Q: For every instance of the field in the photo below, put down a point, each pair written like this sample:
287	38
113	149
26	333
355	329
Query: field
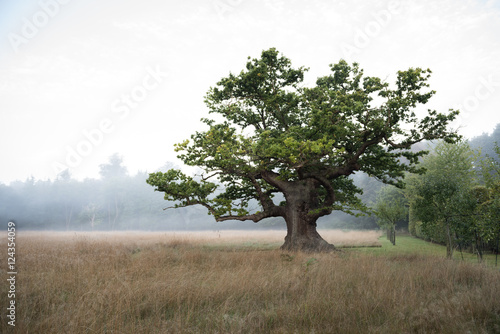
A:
239	282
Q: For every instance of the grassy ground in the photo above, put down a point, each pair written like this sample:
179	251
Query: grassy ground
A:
406	244
143	283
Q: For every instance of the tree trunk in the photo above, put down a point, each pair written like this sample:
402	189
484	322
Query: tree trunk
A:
449	242
393	234
496	254
301	223
479	248
115	216
68	216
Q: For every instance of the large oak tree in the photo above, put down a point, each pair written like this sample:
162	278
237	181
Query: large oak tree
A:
276	136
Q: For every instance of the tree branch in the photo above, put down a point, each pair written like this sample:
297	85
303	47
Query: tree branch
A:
276	211
264	198
273	179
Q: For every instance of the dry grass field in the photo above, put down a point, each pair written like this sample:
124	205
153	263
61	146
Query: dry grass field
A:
239	282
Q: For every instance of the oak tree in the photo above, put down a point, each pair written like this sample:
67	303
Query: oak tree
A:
275	136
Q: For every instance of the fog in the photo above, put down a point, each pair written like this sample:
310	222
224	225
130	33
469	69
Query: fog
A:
246	238
118	201
122	201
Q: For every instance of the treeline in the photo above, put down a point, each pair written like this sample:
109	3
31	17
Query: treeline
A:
456	202
115	201
119	201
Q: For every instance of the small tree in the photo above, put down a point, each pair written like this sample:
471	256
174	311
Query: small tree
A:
442	198
90	214
113	175
277	136
490	207
390	208
64	188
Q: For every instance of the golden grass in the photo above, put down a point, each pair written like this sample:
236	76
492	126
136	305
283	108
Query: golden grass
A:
238	238
159	283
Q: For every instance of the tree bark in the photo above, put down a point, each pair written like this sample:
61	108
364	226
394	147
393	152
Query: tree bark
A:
393	234
449	242
479	248
301	222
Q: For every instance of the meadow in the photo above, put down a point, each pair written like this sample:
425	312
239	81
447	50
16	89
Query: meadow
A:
240	282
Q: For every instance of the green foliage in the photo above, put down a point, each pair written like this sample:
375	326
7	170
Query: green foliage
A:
443	191
489	197
391	206
278	137
443	198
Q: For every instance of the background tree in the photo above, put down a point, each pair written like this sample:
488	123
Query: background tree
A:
487	144
89	214
476	225
278	137
442	198
490	206
114	175
390	208
63	188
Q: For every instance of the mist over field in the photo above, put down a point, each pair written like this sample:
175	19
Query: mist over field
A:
119	201
272	238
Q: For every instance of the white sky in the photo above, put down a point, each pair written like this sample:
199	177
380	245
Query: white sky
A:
67	67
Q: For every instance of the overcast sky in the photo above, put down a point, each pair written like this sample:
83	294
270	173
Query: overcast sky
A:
81	80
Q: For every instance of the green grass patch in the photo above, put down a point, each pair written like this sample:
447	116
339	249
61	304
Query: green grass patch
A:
406	245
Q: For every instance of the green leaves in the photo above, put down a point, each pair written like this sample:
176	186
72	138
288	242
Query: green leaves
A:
187	191
292	149
444	192
266	95
390	206
179	187
277	135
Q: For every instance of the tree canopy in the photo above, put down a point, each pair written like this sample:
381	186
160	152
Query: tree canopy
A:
390	207
277	136
443	196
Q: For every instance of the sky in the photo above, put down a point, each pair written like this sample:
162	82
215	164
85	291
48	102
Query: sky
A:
82	80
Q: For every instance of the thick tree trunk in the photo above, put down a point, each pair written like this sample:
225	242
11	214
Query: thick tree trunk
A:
301	224
304	237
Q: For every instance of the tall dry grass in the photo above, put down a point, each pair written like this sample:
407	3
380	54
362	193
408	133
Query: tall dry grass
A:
209	238
152	284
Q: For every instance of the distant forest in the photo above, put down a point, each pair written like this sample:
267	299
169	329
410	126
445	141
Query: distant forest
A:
119	201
